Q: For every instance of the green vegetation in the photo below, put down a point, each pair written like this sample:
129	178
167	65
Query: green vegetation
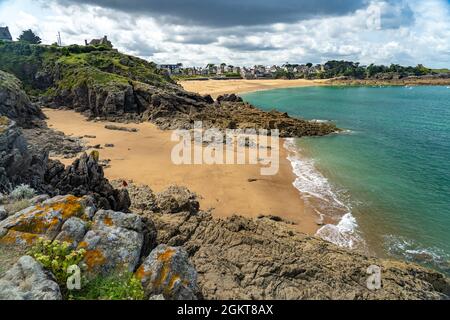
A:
119	287
335	69
22	191
45	70
30	37
56	257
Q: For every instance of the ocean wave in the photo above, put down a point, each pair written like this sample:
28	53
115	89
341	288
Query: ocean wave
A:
326	202
410	250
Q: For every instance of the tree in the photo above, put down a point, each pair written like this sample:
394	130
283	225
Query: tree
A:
30	37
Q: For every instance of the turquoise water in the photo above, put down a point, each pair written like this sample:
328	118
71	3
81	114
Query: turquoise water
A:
392	169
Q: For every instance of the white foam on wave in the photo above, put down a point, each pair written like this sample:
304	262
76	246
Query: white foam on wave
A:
311	183
411	250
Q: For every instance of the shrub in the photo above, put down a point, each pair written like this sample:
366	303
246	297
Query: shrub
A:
117	287
56	257
22	192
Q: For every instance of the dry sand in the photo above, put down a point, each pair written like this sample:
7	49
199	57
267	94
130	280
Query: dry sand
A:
145	158
218	87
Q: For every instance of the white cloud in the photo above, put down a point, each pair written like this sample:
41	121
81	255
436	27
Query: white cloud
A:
411	32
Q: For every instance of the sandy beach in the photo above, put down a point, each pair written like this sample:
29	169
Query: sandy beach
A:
219	87
144	157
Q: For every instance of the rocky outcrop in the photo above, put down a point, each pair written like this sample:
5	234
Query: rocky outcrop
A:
168	272
17	164
85	176
265	258
239	258
15	104
47	219
177	199
27	280
114	243
202	257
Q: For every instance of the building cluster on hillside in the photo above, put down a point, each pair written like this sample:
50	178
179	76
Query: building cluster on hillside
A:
253	72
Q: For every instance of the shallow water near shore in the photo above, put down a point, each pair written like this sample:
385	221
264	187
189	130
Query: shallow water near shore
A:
385	181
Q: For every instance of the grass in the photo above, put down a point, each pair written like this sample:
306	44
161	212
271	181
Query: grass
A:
117	287
17	206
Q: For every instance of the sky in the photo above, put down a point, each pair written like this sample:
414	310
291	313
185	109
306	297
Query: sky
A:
247	32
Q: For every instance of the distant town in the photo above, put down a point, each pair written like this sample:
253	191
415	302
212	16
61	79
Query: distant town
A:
330	69
223	71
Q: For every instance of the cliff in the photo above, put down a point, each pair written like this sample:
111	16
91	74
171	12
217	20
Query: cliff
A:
105	84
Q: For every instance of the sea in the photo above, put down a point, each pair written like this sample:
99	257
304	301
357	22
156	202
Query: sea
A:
383	183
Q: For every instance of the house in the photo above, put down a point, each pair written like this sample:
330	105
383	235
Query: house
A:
172	68
5	35
100	42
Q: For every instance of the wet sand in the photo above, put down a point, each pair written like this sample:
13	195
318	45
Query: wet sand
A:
145	158
218	87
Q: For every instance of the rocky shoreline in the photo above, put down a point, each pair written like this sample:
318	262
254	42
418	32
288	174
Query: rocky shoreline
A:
168	245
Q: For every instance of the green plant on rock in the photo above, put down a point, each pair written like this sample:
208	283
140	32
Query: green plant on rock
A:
56	257
22	192
115	287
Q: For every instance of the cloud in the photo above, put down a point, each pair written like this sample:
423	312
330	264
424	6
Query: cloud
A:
225	13
409	31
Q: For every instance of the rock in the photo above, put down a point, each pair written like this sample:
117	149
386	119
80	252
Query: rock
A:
157	297
177	199
3	213
143	197
43	220
114	127
86	177
114	243
72	231
109	145
167	271
229	98
39	199
27	280
17	164
15	104
239	258
43	139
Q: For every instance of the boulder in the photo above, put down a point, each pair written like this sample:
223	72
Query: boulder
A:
114	243
85	176
27	280
3	213
168	272
43	220
14	102
17	164
177	199
72	231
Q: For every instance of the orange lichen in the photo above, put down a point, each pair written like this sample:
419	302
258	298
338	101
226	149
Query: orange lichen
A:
166	255
82	245
108	221
172	282
94	258
70	207
142	274
16	237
